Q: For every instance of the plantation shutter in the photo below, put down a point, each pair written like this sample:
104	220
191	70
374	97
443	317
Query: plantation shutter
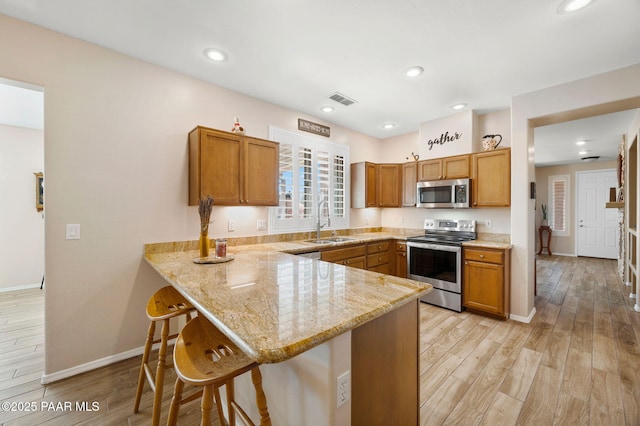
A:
559	204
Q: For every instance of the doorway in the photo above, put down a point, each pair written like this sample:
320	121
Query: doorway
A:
597	227
22	224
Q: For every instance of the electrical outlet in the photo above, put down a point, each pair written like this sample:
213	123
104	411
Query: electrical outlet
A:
231	225
261	224
487	223
73	231
343	388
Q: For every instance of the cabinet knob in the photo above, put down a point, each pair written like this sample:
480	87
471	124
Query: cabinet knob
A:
482	256
466	263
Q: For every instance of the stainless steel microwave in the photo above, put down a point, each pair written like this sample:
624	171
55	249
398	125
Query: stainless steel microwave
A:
441	194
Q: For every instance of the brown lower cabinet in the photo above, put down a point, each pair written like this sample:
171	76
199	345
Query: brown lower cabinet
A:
486	280
401	259
375	256
353	256
378	257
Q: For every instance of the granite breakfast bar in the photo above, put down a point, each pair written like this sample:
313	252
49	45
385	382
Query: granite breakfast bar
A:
309	322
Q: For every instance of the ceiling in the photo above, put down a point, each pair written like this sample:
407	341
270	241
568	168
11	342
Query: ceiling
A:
296	53
556	144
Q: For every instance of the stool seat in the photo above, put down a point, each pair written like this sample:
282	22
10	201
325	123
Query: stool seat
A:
204	356
163	305
167	303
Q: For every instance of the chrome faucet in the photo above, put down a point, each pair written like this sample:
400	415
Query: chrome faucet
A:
320	226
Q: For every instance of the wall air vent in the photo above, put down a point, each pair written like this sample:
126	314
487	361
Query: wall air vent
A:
342	99
592	158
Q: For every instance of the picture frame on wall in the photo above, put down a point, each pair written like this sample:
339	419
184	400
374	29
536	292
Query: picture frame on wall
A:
39	191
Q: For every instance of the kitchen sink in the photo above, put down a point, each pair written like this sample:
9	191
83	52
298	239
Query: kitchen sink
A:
330	240
338	239
319	241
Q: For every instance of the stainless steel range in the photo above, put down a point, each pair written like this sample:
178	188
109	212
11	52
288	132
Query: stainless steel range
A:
436	258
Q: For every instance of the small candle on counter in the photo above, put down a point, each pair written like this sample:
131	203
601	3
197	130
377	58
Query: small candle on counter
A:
221	247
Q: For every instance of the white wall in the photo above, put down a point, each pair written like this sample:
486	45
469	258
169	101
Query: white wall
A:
116	160
21	225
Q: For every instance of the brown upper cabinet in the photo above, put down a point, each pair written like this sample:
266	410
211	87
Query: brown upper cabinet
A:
389	185
409	180
364	185
236	170
456	167
376	185
491	174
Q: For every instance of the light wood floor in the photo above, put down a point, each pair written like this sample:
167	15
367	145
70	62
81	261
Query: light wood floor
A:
578	362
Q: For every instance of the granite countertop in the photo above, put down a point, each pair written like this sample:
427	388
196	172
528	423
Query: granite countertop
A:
274	305
304	246
488	244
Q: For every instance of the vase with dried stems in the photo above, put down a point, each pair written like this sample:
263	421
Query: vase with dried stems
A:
204	209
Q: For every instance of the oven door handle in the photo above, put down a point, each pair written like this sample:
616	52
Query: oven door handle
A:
439	247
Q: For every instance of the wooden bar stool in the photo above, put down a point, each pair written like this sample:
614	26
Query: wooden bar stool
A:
205	357
165	304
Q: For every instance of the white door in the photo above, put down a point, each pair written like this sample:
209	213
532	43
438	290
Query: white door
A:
597	225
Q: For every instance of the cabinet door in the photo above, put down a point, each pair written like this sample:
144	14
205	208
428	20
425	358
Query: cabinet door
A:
455	167
483	287
338	255
430	170
260	177
492	178
401	259
371	185
355	262
214	166
409	179
389	185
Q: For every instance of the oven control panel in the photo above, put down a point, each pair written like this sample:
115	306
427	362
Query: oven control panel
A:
450	225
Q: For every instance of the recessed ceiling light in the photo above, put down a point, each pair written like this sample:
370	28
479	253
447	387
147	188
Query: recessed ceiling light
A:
215	55
458	106
327	109
388	126
580	143
414	71
583	152
568	6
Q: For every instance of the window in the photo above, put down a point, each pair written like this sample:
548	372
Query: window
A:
559	204
313	181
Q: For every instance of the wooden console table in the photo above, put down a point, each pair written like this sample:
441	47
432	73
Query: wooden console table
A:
549	232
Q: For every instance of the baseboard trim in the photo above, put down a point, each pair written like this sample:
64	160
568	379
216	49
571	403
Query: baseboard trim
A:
20	287
99	363
83	368
525	320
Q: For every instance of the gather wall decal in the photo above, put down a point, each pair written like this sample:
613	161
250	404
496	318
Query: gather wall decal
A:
444	138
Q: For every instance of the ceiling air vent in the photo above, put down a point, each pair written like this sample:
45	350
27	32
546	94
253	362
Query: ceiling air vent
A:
342	99
592	158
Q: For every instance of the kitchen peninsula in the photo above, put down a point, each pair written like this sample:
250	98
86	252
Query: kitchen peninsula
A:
309	323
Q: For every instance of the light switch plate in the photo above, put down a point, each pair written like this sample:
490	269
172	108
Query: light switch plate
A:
261	224
231	225
73	231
